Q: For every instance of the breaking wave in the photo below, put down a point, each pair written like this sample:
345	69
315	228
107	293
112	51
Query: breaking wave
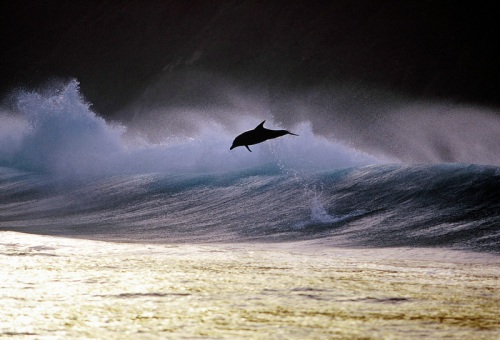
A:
66	171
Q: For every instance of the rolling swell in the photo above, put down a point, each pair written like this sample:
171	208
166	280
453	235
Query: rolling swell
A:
448	205
66	171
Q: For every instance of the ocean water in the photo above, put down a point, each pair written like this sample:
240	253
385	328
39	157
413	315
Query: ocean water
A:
66	171
59	288
302	238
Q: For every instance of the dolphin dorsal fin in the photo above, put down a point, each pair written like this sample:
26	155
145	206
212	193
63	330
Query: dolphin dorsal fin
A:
260	126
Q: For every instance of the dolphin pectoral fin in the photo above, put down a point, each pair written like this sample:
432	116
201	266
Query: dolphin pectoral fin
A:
248	148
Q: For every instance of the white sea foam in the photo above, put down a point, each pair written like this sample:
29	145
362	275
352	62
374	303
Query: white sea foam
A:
57	132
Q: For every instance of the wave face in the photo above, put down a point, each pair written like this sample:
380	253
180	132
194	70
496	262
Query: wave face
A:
383	205
66	171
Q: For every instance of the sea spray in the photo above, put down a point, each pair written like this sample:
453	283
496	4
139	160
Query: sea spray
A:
195	189
319	213
55	131
63	136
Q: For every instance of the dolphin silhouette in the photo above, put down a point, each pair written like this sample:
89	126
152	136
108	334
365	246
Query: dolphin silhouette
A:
257	135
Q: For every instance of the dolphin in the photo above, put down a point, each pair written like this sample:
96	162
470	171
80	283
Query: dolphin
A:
258	135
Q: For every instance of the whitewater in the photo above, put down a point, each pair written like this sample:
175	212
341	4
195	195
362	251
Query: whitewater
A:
108	235
68	171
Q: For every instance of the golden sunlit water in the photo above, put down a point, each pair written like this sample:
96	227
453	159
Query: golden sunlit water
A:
59	288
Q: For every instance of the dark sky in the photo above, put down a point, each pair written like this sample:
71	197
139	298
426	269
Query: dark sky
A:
426	49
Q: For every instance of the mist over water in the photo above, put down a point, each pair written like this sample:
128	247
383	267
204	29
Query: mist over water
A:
132	145
171	129
377	121
402	81
65	170
55	131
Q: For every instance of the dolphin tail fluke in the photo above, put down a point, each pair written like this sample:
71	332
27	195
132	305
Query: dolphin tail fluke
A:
293	134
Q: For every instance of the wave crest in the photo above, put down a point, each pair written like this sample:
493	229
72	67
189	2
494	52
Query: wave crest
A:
58	133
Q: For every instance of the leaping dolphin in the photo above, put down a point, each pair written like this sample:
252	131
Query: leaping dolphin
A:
258	135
